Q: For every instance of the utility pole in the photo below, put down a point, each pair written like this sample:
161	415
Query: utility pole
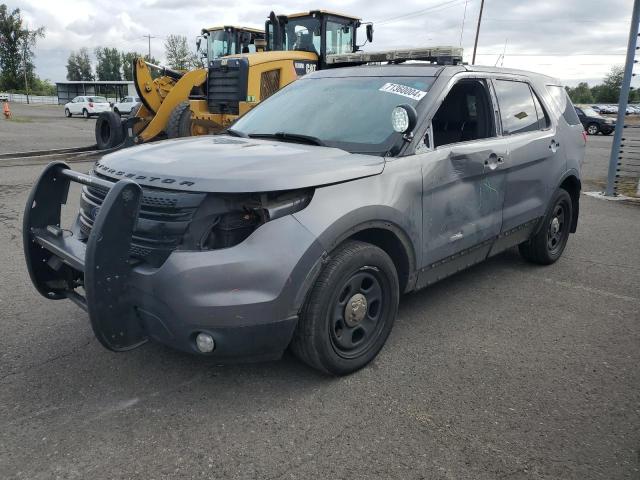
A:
149	37
25	44
475	45
616	152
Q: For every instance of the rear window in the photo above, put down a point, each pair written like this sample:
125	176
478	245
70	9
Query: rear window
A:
517	108
559	95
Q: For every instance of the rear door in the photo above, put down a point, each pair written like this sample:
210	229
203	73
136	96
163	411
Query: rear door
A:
535	154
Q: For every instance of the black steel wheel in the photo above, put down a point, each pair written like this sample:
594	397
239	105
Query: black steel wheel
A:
350	311
357	309
548	243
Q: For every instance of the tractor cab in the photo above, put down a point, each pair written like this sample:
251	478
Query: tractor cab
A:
230	40
319	32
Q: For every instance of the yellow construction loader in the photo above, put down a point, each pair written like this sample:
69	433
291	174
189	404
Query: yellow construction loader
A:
161	92
208	100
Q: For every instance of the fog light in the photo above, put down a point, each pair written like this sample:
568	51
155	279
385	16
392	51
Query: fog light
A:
205	343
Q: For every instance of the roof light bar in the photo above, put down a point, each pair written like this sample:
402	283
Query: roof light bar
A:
440	55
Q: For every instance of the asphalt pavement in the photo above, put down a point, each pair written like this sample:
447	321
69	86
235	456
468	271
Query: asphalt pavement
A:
506	370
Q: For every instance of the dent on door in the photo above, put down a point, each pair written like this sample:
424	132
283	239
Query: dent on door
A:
463	197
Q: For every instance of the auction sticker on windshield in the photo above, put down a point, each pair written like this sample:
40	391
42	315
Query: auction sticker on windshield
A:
403	90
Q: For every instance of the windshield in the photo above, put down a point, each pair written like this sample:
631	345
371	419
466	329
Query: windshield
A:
302	33
98	99
220	44
351	113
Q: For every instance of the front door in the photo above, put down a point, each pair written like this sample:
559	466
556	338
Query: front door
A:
463	182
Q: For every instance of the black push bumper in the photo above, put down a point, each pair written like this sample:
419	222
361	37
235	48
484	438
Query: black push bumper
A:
60	264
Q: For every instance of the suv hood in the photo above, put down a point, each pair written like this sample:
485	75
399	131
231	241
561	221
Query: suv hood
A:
226	164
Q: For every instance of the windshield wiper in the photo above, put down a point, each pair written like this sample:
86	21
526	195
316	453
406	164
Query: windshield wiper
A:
235	133
290	137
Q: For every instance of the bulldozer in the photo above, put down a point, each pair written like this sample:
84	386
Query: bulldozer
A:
161	88
208	100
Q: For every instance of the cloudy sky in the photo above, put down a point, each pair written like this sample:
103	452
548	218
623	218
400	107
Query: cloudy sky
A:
574	40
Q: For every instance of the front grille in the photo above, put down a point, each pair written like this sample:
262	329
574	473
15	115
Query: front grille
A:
162	222
269	83
227	86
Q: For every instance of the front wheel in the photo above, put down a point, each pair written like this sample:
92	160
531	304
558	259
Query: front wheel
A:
593	129
179	123
351	309
546	246
67	113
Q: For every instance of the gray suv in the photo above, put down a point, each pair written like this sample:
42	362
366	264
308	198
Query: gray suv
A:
303	224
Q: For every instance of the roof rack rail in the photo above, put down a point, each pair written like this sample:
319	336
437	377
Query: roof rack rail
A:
439	55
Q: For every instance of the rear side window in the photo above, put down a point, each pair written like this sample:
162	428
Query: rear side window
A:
517	108
559	95
543	118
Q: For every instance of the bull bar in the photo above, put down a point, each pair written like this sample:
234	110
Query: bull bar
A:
59	263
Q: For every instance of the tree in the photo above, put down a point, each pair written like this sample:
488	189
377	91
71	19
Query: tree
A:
16	50
128	61
178	54
79	65
581	93
609	91
108	64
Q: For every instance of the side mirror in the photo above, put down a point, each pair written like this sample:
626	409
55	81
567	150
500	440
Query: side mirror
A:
404	119
370	32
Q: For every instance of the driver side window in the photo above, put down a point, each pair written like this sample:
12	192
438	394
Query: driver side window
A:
465	114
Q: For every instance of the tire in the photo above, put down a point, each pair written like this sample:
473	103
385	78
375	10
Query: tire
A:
179	123
85	113
548	243
593	129
109	131
608	132
67	113
333	338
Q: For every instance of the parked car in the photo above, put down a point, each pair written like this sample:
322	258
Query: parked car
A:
87	106
593	122
597	108
303	225
4	97
126	104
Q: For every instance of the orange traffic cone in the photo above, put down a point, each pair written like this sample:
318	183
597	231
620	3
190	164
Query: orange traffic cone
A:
6	110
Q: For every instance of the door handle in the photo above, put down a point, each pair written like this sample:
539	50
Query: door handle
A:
493	161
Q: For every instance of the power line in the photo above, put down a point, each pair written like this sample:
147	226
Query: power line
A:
602	54
442	6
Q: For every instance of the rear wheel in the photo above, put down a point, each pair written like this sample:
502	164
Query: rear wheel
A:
547	245
109	131
85	113
593	129
350	311
180	124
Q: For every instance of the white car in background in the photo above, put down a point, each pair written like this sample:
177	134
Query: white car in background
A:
87	105
126	104
4	96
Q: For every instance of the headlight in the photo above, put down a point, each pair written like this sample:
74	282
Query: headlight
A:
225	220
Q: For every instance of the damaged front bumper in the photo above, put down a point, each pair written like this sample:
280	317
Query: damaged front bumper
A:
246	297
